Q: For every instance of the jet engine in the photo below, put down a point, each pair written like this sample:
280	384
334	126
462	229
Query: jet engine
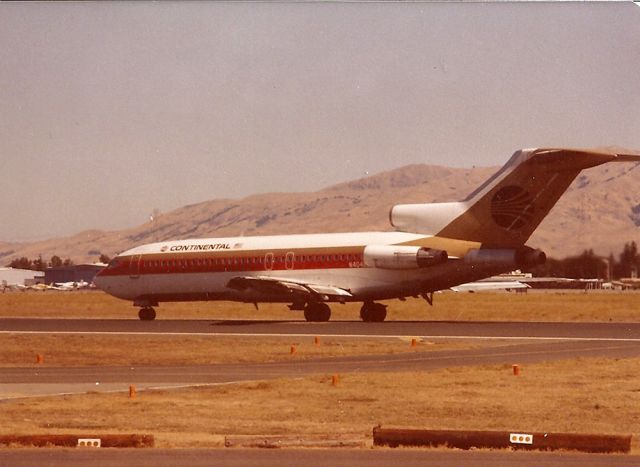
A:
402	257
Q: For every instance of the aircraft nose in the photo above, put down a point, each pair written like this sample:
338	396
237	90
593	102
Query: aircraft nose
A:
98	280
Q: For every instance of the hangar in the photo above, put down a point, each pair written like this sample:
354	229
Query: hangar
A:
12	276
73	273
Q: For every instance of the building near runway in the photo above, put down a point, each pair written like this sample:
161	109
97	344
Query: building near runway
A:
73	273
12	276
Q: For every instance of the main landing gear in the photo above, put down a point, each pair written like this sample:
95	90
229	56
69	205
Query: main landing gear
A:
373	312
317	312
147	313
370	312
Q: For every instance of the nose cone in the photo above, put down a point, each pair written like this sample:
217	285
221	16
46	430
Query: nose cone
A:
99	279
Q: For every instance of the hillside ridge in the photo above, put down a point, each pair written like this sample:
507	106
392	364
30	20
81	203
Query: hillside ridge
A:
600	210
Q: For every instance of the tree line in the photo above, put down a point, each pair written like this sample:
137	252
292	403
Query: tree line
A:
588	265
40	264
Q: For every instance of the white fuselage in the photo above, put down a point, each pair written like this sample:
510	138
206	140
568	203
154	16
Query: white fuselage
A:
200	269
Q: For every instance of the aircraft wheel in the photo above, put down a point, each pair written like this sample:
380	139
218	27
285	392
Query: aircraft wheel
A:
147	314
324	312
317	312
373	312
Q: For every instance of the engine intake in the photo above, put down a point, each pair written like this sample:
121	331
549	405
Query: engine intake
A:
402	257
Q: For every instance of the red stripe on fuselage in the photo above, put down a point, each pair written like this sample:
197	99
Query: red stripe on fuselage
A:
242	261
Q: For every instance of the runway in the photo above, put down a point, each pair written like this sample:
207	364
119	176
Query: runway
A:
232	372
427	329
528	343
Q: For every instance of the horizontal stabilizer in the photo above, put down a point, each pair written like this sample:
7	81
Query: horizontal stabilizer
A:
627	158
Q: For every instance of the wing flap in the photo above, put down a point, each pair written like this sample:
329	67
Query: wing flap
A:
286	287
329	290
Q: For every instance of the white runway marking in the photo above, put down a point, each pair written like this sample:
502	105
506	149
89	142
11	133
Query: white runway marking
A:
334	336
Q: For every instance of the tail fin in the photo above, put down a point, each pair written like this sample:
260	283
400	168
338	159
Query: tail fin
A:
509	206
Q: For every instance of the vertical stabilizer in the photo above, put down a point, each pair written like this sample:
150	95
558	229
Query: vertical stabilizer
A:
509	206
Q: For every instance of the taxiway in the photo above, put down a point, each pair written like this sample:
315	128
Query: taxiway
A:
296	457
526	343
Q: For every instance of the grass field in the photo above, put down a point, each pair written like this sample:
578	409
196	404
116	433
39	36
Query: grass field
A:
20	350
583	395
448	306
586	396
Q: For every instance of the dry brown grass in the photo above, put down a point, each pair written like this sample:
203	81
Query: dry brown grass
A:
533	306
584	395
576	396
19	350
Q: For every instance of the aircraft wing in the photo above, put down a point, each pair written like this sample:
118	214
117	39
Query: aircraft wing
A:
481	286
277	286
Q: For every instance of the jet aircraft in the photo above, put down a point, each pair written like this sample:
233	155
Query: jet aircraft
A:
435	246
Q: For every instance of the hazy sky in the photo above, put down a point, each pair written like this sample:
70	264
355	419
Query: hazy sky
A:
109	110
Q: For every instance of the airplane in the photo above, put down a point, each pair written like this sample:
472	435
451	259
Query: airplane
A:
68	286
483	286
13	287
435	246
24	288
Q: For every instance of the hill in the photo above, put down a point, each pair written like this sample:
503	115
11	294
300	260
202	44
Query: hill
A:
601	210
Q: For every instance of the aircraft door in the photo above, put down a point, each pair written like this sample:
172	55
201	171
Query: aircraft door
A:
268	261
134	266
288	260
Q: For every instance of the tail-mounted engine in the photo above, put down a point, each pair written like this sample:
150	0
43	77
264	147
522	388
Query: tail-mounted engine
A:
402	257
